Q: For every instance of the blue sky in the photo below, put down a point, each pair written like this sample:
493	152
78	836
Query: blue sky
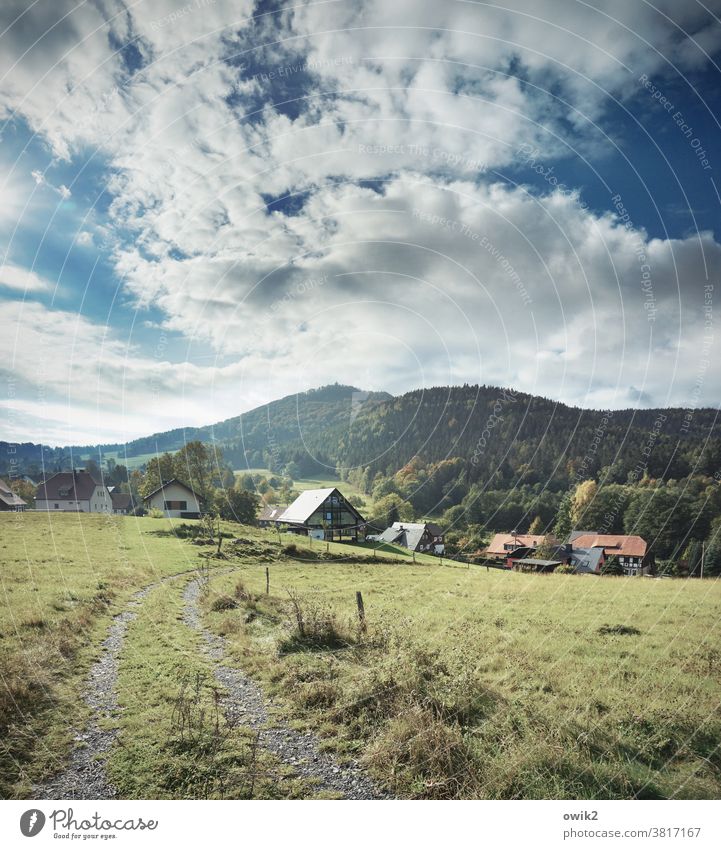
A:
210	205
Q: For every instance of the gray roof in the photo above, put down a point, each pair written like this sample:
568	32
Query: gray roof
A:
533	561
270	512
409	534
586	559
9	497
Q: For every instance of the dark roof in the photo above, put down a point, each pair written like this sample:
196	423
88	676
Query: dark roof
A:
586	559
410	534
74	486
121	500
532	561
8	497
270	512
179	483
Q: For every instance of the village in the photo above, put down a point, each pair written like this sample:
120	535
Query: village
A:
325	514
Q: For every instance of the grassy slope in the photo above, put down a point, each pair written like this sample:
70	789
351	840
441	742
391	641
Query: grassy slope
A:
493	684
469	683
62	579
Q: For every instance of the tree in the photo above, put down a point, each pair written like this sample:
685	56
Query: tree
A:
564	523
712	553
24	490
612	566
536	526
195	465
391	508
583	496
292	470
245	481
663	516
237	505
159	469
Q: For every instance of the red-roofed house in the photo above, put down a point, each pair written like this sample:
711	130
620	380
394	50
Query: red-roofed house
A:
512	547
631	551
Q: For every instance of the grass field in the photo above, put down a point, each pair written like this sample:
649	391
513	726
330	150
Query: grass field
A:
496	685
63	577
464	684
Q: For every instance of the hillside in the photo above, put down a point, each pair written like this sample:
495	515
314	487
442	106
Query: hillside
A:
511	436
295	426
499	435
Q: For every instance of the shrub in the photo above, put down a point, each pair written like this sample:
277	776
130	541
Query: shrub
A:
223	602
619	629
241	593
156	513
314	626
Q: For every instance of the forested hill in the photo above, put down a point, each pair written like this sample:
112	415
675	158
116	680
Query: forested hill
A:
507	438
499	436
264	436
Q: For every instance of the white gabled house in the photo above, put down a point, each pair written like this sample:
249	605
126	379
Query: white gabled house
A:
176	499
74	492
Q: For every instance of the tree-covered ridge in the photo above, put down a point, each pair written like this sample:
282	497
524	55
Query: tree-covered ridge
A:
507	438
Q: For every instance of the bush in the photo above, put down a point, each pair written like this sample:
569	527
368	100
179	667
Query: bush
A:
156	513
223	602
314	626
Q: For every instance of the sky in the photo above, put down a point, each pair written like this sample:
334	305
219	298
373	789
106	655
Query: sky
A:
209	205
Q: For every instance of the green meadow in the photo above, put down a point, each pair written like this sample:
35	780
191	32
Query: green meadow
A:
459	682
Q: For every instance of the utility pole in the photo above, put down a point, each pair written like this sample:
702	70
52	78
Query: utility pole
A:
703	552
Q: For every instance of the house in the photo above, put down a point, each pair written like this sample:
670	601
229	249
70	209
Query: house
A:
122	502
176	499
269	515
322	514
417	536
512	547
9	501
631	550
75	492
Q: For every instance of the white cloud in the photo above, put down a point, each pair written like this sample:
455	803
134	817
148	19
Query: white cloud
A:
23	280
533	292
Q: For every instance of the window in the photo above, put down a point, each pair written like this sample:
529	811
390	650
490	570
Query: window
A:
175	505
57	506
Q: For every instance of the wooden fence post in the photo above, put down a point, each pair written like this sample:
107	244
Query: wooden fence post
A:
267	580
361	611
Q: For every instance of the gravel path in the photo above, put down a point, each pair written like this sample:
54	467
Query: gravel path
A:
246	703
85	777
